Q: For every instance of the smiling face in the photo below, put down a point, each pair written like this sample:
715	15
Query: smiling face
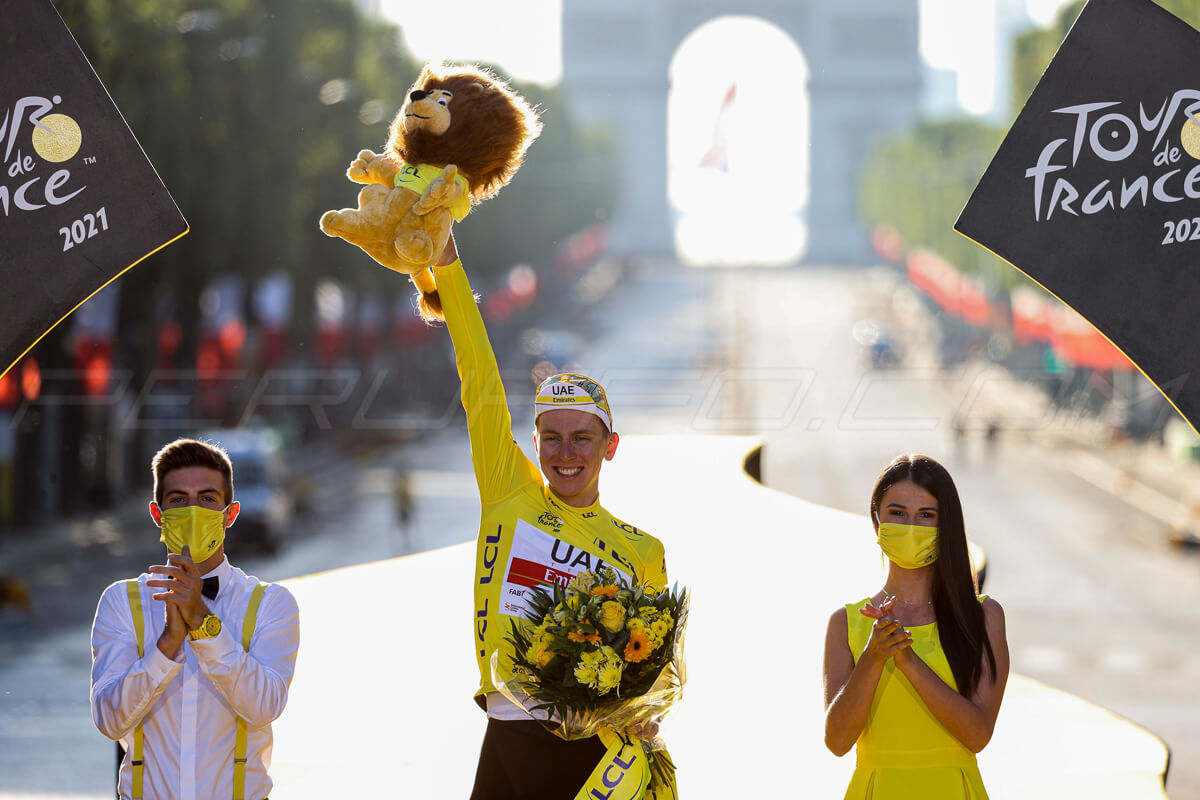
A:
428	111
572	445
906	503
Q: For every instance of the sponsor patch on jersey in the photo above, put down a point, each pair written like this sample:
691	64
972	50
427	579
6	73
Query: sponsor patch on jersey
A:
631	533
538	559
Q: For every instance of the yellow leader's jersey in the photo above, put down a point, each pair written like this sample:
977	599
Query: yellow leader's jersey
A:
527	537
418	177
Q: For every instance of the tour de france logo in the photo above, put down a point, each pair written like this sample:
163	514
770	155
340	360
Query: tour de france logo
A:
39	145
1108	156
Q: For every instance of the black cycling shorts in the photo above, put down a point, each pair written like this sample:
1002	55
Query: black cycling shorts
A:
521	760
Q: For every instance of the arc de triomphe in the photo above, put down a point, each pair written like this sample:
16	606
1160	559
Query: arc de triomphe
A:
864	82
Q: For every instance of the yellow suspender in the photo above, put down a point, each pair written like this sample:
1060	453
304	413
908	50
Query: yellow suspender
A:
135	609
239	755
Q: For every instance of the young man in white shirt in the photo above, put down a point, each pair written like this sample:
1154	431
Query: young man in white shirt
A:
192	662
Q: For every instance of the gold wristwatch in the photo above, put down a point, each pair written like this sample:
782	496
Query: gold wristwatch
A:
209	628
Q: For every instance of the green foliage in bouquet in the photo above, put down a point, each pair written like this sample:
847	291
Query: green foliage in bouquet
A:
596	640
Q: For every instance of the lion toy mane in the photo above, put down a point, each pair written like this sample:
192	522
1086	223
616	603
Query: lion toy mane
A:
459	139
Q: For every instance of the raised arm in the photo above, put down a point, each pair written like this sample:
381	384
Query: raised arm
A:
500	466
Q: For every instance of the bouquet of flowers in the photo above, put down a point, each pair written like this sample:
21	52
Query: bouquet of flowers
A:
601	658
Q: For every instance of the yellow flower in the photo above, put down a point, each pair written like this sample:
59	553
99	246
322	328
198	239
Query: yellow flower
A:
593	658
539	655
660	627
612	616
583	582
636	624
573	602
639	647
609	678
586	675
608	592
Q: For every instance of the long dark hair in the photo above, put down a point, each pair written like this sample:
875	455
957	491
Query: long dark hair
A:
961	626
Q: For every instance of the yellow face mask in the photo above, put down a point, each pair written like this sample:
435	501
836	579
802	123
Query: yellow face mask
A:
908	546
201	529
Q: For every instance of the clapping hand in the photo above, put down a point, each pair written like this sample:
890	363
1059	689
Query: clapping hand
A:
888	636
185	606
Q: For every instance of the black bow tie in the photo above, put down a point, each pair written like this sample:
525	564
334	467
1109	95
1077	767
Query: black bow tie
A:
210	588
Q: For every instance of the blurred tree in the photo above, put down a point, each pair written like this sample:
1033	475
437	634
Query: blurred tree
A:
565	185
1032	51
1186	10
918	181
251	112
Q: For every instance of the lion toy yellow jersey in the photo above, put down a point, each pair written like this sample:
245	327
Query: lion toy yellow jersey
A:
459	138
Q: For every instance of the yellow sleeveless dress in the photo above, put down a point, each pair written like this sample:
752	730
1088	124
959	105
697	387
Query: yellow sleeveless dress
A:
904	753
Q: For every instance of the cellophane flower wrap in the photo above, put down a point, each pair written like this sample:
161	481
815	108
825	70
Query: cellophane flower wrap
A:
599	657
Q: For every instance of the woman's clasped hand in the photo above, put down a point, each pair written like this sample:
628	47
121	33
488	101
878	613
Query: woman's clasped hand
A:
888	635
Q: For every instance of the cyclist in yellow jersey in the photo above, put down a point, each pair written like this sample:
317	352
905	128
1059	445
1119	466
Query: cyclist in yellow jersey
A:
540	523
915	674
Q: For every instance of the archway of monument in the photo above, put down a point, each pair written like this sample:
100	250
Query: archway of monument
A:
738	144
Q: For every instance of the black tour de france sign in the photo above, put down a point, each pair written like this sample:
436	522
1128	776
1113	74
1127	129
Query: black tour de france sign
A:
1095	191
79	201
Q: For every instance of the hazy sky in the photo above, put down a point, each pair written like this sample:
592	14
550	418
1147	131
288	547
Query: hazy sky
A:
527	44
959	35
955	35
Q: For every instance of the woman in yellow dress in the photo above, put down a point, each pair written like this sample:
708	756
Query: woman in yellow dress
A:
915	674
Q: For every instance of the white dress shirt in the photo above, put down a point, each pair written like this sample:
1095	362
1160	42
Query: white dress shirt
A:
189	705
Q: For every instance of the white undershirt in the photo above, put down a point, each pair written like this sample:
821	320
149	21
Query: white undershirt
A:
501	708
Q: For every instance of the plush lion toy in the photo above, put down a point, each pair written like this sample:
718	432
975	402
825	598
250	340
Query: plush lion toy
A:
459	139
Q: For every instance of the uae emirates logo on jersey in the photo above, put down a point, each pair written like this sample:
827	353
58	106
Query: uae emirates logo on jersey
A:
540	560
